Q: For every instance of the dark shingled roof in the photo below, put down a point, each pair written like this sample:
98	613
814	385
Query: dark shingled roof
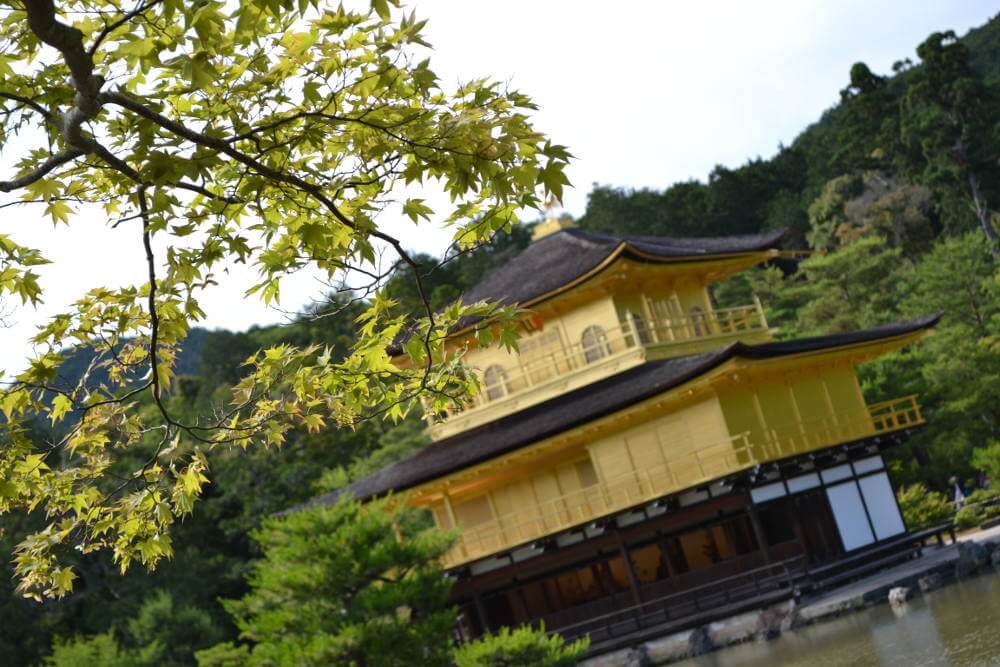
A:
587	404
560	258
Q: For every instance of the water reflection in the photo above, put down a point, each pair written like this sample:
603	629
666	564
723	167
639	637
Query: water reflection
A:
956	626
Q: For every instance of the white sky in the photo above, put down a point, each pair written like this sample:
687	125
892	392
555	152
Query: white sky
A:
644	93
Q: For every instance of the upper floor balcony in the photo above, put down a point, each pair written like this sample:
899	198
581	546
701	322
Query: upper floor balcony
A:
548	363
493	530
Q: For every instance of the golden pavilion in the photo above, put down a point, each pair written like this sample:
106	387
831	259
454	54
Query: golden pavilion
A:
646	459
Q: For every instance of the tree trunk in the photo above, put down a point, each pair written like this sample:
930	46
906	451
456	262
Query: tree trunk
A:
983	214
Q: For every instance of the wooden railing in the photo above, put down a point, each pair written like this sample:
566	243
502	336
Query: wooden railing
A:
896	414
599	499
526	372
681	472
808	435
762	585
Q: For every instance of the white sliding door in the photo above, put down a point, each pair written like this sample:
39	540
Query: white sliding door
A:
849	514
882	507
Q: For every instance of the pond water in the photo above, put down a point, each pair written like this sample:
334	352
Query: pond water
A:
957	625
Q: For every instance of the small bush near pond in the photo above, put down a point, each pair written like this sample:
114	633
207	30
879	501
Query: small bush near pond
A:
980	505
922	508
523	646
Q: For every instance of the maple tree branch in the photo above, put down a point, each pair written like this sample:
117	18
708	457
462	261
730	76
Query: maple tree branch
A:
28	102
116	163
201	139
154	317
88	101
41	170
69	42
312	189
111	27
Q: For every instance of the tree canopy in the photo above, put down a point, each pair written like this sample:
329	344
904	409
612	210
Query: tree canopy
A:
269	132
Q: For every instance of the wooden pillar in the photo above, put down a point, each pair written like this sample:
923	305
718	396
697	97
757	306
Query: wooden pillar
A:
800	533
760	311
484	620
665	556
524	604
653	324
460	542
758	531
633	581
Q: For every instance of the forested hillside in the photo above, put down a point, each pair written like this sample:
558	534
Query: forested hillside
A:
777	192
896	190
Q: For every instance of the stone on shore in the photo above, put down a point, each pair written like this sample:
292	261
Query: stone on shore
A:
929	582
995	558
979	553
899	595
700	642
971	556
768	624
793	620
771	622
638	657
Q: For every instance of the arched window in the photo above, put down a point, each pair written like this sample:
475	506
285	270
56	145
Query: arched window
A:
698	321
595	343
495	379
638	326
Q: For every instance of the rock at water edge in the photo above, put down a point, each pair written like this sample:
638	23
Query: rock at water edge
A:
638	657
964	567
793	620
970	557
769	623
700	642
973	551
899	595
929	582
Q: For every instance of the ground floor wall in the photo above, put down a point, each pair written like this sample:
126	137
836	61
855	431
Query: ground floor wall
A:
807	513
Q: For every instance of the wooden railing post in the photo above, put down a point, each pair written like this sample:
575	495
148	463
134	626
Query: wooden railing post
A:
654	322
450	511
633	581
758	530
760	311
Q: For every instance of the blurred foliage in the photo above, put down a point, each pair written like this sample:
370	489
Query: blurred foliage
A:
163	634
979	506
520	646
278	134
922	508
346	584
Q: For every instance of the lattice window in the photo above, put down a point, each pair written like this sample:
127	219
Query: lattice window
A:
496	382
595	343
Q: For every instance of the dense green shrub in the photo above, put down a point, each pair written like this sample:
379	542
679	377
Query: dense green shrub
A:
162	634
100	650
226	654
345	584
922	508
987	459
980	505
523	646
